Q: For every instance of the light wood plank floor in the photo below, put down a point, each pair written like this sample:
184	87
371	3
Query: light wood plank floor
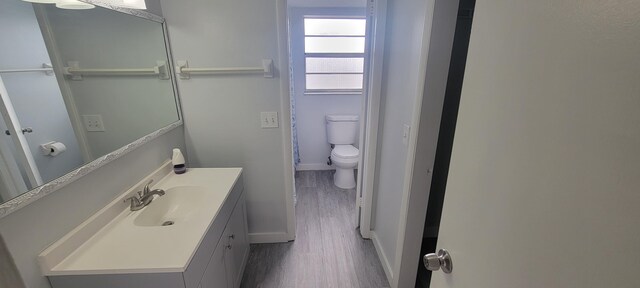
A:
328	250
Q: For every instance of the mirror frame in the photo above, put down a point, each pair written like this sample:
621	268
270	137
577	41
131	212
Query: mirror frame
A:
31	196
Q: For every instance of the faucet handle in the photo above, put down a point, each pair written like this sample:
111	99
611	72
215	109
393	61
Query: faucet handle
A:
133	199
146	188
136	204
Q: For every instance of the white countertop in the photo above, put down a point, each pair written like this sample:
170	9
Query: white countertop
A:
122	247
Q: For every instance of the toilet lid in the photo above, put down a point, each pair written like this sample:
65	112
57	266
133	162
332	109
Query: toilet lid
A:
345	151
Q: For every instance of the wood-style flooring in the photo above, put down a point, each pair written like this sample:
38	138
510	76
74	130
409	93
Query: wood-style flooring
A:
328	250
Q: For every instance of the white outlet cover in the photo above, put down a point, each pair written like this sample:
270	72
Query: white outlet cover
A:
93	123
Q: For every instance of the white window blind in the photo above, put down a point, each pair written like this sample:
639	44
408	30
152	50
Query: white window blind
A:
334	54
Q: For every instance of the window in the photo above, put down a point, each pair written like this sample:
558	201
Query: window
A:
334	55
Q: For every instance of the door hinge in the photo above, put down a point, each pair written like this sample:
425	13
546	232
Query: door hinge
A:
371	7
359	202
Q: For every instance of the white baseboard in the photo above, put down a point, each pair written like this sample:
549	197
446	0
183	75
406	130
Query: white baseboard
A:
279	237
386	266
313	166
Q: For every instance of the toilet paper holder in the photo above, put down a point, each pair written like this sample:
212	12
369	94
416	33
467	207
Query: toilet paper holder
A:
52	148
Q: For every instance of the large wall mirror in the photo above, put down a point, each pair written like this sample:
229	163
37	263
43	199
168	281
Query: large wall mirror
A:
76	85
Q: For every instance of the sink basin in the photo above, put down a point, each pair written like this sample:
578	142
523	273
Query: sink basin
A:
117	240
177	206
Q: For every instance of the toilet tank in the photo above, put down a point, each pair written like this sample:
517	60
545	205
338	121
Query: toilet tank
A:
342	129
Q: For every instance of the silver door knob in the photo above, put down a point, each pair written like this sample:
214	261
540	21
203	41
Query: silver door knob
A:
433	261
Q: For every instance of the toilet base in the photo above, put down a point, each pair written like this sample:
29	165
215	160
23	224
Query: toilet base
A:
344	178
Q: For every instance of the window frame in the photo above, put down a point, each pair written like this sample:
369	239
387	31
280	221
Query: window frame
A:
306	55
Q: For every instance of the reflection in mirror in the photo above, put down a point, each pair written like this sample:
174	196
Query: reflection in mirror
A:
75	85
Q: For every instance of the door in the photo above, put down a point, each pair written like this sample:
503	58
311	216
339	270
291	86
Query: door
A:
215	276
16	132
545	169
237	236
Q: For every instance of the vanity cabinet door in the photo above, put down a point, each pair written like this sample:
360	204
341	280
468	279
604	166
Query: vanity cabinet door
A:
215	276
236	233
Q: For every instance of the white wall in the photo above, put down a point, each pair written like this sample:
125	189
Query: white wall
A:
36	97
31	229
131	107
222	113
314	147
400	91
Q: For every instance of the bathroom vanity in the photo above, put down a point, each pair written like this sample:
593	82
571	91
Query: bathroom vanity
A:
195	236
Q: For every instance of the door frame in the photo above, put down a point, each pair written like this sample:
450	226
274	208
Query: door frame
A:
376	11
285	120
10	173
439	31
22	146
377	14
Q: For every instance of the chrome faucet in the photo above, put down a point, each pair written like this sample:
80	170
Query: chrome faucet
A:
144	197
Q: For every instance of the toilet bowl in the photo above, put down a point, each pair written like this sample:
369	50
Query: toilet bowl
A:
345	157
342	131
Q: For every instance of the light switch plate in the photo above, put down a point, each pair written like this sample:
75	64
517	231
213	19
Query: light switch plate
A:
406	133
269	119
93	123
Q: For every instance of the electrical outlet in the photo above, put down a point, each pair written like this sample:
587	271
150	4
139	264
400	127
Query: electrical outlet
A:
269	119
93	123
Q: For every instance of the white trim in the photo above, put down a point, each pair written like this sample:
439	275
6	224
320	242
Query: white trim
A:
285	106
276	237
314	166
364	116
370	128
388	271
135	12
411	150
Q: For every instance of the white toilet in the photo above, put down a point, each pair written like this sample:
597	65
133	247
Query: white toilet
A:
342	132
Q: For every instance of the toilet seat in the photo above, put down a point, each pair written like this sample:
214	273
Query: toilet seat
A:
345	152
